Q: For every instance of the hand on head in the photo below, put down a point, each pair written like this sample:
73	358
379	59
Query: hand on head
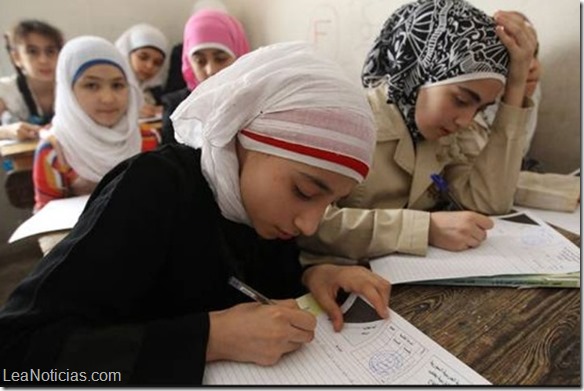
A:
324	282
457	231
520	39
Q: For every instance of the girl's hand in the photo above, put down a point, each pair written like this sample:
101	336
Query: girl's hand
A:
22	131
258	333
533	77
520	39
457	231
324	282
148	111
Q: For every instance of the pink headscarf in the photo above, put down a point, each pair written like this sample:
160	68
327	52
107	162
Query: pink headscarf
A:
211	29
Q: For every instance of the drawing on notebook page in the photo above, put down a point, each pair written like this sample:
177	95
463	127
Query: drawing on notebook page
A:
366	351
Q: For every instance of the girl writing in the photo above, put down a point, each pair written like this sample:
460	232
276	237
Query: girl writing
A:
268	143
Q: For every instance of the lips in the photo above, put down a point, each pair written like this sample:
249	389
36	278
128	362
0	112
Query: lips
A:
285	235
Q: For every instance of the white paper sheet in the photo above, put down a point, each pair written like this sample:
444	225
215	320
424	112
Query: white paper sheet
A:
382	352
57	215
510	248
568	221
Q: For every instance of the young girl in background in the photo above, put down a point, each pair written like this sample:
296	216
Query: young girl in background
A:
96	121
212	41
434	66
27	98
147	49
269	143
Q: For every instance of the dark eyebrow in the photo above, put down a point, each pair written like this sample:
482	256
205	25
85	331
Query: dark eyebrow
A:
318	182
91	77
474	96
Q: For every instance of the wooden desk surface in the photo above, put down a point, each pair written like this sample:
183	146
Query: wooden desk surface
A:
23	147
21	154
510	336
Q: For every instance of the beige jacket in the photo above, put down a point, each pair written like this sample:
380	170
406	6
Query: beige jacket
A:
386	213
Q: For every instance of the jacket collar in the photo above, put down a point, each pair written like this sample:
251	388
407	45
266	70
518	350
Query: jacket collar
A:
391	127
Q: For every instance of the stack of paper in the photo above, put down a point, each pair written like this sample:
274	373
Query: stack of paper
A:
57	215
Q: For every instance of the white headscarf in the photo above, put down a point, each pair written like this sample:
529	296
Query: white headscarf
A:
145	35
91	149
285	100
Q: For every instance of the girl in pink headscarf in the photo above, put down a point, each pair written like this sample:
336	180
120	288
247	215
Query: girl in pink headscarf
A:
212	41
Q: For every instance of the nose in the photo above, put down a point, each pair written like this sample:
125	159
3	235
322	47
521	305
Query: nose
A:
107	95
212	68
464	118
307	222
43	57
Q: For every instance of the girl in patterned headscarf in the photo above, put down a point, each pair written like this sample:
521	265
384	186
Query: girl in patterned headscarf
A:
433	67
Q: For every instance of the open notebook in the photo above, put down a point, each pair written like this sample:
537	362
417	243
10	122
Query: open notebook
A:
368	351
521	248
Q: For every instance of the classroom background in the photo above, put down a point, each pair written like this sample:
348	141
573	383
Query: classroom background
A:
342	29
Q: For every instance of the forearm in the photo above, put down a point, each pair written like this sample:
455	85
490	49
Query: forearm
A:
7	133
486	182
365	233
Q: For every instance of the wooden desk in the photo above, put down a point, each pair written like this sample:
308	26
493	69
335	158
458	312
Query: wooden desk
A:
18	159
510	336
21	154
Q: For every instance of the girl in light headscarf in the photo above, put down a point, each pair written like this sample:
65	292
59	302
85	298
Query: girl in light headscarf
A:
96	121
147	51
213	40
268	143
433	67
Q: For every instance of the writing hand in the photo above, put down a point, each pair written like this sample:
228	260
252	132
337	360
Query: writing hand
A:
23	131
148	111
457	231
324	282
258	333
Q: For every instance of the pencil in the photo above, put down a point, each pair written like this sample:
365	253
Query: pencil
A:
249	291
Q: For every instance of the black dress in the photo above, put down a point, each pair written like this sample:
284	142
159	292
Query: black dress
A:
130	288
170	102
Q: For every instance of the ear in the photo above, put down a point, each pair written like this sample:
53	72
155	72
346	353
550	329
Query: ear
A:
16	58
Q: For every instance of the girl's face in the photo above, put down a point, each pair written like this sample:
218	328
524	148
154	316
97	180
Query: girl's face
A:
146	62
103	93
444	109
284	198
37	56
207	62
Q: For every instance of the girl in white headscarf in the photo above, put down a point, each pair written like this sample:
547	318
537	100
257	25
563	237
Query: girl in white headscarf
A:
96	121
270	142
147	51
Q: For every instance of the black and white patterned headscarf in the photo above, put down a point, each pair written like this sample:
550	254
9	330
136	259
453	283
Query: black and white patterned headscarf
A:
431	42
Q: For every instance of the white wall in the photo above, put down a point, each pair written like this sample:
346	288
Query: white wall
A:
344	29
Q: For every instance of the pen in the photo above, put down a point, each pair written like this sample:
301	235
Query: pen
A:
442	187
249	291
